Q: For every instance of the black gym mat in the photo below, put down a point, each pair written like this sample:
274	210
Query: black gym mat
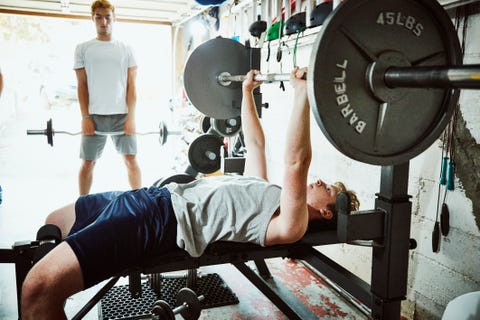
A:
118	304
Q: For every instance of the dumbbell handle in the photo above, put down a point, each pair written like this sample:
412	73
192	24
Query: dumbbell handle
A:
185	305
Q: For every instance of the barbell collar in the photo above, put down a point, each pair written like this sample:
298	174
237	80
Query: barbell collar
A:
462	77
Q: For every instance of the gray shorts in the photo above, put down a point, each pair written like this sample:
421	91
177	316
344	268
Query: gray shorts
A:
91	147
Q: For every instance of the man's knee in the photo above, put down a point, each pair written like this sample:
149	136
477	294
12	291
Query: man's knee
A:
131	161
88	165
36	285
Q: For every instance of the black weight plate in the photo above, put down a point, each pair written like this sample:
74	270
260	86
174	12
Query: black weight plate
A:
162	133
188	296
227	127
396	126
205	124
203	66
163	310
198	149
50	132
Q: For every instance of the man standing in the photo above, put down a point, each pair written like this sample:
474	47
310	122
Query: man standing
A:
106	71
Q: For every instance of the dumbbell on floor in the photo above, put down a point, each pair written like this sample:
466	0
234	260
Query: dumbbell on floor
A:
187	305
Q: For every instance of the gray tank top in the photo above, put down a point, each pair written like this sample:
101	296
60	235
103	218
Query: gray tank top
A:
223	208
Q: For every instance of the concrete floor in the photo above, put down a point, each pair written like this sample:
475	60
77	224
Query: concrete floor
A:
37	179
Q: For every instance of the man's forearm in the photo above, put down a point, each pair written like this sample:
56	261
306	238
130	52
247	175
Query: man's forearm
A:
298	148
82	92
251	126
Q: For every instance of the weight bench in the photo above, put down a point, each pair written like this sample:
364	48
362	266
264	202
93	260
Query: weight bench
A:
386	229
238	254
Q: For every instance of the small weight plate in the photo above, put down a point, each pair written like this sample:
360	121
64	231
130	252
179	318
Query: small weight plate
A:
381	126
155	280
50	132
163	310
202	68
227	127
200	148
162	133
205	124
188	296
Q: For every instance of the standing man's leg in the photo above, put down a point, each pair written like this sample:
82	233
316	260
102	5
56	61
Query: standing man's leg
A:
85	176
91	149
133	170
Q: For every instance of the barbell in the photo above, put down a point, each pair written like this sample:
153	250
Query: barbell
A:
382	80
187	305
162	132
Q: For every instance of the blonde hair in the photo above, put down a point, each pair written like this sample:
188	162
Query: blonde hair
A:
103	4
354	202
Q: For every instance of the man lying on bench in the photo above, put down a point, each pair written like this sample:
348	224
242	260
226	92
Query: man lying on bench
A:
109	232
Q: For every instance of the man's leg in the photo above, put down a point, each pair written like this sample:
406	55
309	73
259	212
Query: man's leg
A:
49	283
85	176
63	218
134	173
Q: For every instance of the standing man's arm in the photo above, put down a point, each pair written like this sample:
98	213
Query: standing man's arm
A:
131	100
255	162
88	128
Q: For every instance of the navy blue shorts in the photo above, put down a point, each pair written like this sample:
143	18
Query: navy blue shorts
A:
114	231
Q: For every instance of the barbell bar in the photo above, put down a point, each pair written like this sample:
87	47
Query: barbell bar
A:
162	132
383	78
225	78
463	77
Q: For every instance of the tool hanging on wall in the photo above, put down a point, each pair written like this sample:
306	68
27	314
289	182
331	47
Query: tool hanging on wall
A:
447	173
447	179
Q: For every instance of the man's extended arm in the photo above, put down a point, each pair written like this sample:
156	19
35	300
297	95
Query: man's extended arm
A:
255	162
291	224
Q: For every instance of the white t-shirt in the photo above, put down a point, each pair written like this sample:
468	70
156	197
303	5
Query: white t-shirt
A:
223	208
106	64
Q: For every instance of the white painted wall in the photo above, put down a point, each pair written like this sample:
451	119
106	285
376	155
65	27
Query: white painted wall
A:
434	278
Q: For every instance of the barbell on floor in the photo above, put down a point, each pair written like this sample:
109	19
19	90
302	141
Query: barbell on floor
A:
187	305
382	80
162	132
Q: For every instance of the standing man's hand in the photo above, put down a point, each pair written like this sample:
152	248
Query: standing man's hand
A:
129	128
88	127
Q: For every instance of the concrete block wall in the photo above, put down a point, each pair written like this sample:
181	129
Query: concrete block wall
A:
434	278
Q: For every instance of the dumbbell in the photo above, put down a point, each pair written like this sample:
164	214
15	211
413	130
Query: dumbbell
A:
187	305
